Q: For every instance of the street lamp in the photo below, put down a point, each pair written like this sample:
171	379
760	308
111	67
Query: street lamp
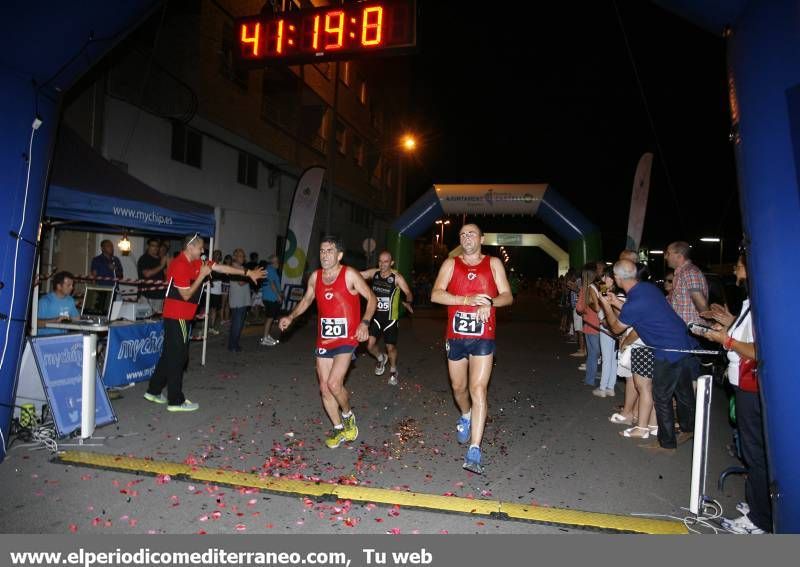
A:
409	143
442	223
714	239
404	148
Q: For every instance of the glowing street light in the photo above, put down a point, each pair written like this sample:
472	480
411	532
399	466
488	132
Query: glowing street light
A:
442	223
409	143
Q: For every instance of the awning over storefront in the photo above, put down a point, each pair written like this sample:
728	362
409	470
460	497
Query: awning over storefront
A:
88	189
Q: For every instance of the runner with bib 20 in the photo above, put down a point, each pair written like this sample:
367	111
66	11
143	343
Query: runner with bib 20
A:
472	285
340	327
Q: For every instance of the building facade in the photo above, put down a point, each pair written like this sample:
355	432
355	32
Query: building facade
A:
172	108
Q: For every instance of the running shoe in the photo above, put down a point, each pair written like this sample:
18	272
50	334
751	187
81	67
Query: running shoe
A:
393	378
350	428
463	430
742	525
472	462
380	368
336	439
743	508
267	341
159	399
185	406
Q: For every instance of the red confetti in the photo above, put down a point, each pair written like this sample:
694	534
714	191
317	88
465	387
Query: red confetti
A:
163	479
394	531
73	528
240	527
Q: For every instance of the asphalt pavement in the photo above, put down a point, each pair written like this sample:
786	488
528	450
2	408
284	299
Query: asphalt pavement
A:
548	442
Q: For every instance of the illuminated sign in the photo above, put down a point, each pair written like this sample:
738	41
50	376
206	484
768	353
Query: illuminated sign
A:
387	27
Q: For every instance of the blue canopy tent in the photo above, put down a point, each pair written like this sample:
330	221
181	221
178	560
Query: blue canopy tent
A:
86	188
92	194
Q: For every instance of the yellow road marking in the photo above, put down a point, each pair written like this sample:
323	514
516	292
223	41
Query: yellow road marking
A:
434	502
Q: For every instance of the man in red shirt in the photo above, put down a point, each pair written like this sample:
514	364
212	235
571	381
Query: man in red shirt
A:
472	286
185	274
340	327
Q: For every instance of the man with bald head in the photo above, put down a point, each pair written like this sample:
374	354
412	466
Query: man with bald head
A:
472	285
647	311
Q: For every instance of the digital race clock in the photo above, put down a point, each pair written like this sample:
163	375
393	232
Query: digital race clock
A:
346	31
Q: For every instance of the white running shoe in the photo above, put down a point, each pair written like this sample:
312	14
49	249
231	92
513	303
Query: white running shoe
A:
741	525
380	368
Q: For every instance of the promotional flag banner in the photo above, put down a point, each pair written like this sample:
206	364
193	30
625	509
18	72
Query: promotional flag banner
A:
298	235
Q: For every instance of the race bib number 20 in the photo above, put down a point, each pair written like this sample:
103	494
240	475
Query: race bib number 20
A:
467	324
333	328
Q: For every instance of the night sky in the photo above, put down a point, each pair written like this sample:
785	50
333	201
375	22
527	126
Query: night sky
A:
550	95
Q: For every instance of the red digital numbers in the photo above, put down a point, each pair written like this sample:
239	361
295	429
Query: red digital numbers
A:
304	36
372	26
251	41
336	29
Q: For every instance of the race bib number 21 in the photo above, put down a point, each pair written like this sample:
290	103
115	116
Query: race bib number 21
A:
467	324
333	328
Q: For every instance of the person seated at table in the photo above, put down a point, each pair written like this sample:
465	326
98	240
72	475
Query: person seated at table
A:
58	305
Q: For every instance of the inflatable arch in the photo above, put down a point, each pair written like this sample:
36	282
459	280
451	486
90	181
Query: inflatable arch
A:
535	199
538	240
36	70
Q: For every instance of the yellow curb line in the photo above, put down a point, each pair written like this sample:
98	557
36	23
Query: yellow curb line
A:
490	508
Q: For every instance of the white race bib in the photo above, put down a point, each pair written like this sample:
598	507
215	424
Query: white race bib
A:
383	304
467	324
333	327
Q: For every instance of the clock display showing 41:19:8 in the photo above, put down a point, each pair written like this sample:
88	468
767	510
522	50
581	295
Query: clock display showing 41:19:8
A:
317	32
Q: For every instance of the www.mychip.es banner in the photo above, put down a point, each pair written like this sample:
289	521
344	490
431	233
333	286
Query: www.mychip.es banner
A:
132	353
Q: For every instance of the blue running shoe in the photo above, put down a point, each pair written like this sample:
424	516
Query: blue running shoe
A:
472	462
463	430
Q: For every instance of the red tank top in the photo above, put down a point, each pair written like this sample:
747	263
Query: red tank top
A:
469	280
339	312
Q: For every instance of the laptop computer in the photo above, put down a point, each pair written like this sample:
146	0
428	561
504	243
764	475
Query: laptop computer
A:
97	304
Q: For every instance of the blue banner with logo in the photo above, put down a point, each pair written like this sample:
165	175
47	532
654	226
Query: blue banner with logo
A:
132	353
59	360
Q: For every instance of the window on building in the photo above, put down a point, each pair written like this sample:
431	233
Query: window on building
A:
375	116
345	68
279	102
362	92
358	150
313	123
359	215
187	145
389	177
326	69
228	67
247	173
341	138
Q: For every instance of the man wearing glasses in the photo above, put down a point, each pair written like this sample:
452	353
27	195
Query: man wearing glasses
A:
472	285
185	275
340	327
